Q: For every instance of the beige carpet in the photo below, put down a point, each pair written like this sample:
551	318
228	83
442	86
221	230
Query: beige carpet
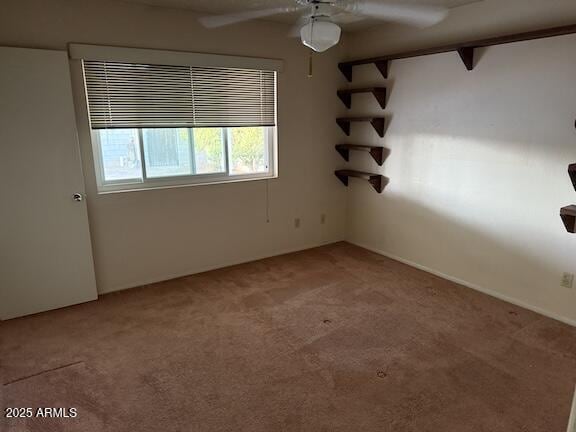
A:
330	339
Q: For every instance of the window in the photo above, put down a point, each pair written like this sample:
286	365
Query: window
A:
159	126
156	157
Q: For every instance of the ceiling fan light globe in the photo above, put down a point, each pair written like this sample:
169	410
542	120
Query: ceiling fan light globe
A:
320	35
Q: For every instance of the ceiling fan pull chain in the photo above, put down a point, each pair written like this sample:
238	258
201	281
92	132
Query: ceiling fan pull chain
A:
310	64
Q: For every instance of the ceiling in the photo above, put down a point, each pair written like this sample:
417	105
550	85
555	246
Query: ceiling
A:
348	22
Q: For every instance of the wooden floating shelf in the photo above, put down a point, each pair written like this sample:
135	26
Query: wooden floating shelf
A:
377	123
378	92
346	68
377	153
464	49
572	174
377	181
568	215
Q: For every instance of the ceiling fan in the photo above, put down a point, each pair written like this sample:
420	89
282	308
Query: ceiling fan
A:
317	27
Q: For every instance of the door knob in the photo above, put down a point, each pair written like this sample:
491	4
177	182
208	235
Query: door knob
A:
78	197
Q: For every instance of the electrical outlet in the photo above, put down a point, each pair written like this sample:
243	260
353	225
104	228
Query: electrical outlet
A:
567	280
297	223
322	218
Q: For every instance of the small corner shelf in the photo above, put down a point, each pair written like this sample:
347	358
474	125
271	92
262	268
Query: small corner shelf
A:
572	174
568	215
378	92
377	181
346	68
377	123
377	153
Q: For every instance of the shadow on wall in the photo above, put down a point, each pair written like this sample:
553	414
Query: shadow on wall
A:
492	104
454	246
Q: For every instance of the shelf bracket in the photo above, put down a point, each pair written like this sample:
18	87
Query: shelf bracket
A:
378	125
346	71
467	56
377	154
344	152
377	183
572	174
382	66
380	95
343	178
568	215
346	98
344	125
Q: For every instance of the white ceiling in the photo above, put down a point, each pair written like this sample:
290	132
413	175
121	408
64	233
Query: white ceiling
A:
349	22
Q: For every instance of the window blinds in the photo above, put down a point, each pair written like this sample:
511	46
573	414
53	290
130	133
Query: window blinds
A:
130	95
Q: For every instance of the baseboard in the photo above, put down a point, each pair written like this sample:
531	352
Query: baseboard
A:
203	269
467	284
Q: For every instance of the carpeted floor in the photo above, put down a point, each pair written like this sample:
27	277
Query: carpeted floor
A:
330	339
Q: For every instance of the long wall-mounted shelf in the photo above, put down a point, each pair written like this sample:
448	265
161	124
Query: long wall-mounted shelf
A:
377	153
464	49
377	123
377	181
378	92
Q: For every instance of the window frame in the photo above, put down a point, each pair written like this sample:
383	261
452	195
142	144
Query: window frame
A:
145	183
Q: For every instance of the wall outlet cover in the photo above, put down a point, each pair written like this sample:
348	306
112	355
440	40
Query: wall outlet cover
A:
567	280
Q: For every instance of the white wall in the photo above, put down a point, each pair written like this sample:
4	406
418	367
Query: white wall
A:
477	169
141	237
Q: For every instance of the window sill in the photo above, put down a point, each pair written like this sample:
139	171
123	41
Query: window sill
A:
123	188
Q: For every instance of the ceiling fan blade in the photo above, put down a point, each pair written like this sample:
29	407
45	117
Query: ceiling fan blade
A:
213	21
421	15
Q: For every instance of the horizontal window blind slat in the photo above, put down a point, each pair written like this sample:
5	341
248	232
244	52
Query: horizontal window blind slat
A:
125	95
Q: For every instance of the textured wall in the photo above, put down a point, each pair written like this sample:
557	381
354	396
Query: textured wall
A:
478	169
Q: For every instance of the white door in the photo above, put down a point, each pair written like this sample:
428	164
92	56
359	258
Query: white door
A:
45	251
